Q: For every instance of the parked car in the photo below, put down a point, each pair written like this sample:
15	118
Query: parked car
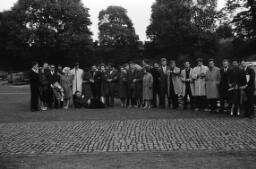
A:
3	75
19	78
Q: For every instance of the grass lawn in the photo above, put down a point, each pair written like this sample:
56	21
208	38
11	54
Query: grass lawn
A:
14	107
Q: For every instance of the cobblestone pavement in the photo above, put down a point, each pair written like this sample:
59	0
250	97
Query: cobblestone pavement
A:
162	135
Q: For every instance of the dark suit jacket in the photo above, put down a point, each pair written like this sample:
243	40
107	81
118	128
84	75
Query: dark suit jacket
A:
251	84
224	79
237	77
163	80
156	76
34	79
53	78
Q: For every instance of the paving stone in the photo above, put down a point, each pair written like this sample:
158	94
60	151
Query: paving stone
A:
163	135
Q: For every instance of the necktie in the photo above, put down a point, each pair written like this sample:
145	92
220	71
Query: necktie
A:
76	79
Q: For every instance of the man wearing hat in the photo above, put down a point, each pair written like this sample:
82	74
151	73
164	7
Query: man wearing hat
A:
78	78
163	82
199	75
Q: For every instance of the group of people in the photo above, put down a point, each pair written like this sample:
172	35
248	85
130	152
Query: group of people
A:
146	86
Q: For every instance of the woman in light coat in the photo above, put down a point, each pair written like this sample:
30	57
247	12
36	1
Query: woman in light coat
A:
147	88
66	83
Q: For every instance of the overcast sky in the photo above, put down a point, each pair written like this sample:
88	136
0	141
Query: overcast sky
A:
138	10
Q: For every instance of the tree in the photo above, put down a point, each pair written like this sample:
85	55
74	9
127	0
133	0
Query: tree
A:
204	14
116	28
242	19
46	30
117	38
175	31
224	31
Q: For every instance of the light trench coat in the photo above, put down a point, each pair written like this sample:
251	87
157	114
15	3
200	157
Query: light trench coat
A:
192	84
147	86
175	77
78	79
199	75
212	83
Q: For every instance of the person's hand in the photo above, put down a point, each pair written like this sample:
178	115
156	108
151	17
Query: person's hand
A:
243	87
52	86
134	80
202	75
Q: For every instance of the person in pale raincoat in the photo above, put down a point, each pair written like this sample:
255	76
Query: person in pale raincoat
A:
78	78
199	75
173	85
212	85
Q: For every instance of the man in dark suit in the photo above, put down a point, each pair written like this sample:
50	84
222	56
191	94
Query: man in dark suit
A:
224	86
156	83
53	77
34	87
163	82
112	79
249	90
97	85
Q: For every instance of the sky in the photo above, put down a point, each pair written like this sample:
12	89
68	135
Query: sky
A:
138	10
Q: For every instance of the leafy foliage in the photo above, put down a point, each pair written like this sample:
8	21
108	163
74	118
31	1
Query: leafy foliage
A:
181	27
46	30
116	28
117	38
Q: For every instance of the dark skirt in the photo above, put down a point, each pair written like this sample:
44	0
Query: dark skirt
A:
235	97
123	91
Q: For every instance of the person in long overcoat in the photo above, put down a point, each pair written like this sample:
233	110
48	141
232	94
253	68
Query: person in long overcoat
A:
78	78
104	75
138	86
112	79
131	73
86	86
34	87
44	88
187	85
224	86
53	78
173	84
212	85
66	81
249	74
123	86
199	74
237	83
147	87
163	82
156	84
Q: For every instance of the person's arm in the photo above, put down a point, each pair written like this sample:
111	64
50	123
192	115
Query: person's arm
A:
194	74
183	76
218	77
151	81
252	77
